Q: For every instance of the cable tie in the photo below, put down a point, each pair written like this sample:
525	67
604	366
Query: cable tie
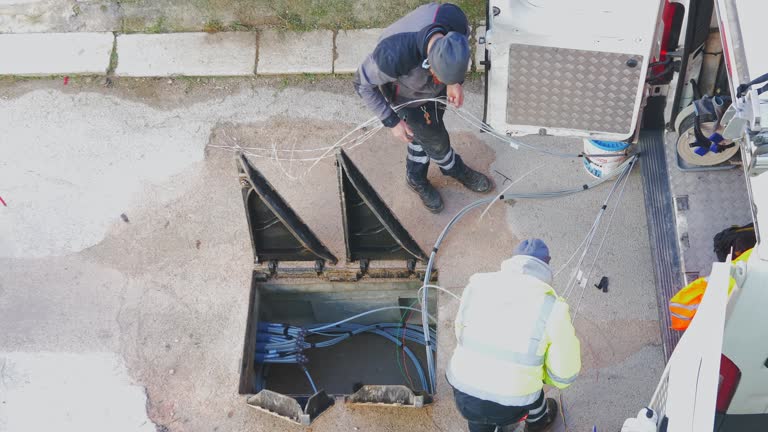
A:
285	330
312	345
585	187
605	206
434	249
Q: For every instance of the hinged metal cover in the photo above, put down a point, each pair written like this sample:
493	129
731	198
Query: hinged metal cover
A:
371	230
569	68
289	408
388	395
277	233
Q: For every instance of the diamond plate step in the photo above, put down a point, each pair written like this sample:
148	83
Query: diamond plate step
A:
572	89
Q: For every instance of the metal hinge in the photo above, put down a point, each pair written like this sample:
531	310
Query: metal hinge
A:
348	273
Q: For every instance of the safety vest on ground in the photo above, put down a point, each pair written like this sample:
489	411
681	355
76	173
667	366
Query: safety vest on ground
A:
513	335
684	304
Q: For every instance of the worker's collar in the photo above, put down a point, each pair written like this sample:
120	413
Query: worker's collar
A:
425	34
530	266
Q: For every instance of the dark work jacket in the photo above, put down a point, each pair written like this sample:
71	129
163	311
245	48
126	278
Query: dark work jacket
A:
397	64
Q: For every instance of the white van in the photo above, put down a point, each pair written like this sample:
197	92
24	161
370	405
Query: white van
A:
628	70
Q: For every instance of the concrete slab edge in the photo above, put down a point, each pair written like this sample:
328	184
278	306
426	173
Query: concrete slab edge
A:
339	54
41	54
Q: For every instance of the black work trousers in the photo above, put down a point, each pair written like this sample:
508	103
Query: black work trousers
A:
430	142
485	416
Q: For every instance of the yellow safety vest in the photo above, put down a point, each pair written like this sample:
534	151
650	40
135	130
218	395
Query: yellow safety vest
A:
683	306
513	335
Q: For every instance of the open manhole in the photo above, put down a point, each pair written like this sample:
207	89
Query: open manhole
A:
300	293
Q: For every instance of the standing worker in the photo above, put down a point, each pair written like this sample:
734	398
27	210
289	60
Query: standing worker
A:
423	55
514	334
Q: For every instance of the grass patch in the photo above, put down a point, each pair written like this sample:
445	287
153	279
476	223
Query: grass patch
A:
309	78
112	59
291	15
284	83
474	9
188	78
35	18
159	26
23	78
293	22
213	26
132	24
475	75
240	26
300	15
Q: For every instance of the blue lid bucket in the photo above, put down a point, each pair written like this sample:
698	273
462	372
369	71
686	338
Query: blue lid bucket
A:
609	146
604	162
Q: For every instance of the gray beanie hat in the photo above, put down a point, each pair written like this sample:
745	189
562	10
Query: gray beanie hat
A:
533	247
449	57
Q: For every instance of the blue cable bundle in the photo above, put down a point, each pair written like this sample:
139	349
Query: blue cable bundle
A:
285	344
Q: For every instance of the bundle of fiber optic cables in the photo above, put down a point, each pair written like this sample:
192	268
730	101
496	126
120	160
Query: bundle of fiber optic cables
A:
286	344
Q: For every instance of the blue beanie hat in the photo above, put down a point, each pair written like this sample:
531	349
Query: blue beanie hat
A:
449	57
533	247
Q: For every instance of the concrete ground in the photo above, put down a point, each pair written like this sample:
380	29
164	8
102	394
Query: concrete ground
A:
126	259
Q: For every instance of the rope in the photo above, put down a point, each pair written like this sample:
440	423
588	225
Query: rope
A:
576	276
370	127
602	241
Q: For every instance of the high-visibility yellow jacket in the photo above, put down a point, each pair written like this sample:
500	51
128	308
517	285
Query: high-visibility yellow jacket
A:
513	335
684	304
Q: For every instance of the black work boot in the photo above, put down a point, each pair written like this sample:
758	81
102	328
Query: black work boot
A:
474	181
543	424
428	194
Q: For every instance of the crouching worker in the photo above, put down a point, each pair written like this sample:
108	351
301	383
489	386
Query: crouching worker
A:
514	334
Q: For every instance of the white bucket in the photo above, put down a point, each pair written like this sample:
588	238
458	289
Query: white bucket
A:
599	166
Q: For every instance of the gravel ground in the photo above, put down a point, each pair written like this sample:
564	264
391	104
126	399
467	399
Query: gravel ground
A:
125	234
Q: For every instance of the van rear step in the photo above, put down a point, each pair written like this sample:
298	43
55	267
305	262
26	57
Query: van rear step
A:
661	216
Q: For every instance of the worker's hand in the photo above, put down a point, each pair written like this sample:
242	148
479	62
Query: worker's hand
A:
403	132
455	93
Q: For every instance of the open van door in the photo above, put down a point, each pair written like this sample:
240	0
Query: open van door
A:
689	390
569	68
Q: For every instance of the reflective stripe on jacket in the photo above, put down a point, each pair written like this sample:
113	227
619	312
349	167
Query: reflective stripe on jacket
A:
684	304
513	334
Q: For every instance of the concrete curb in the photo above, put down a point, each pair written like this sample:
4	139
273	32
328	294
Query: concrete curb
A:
351	48
266	52
294	53
193	54
55	53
